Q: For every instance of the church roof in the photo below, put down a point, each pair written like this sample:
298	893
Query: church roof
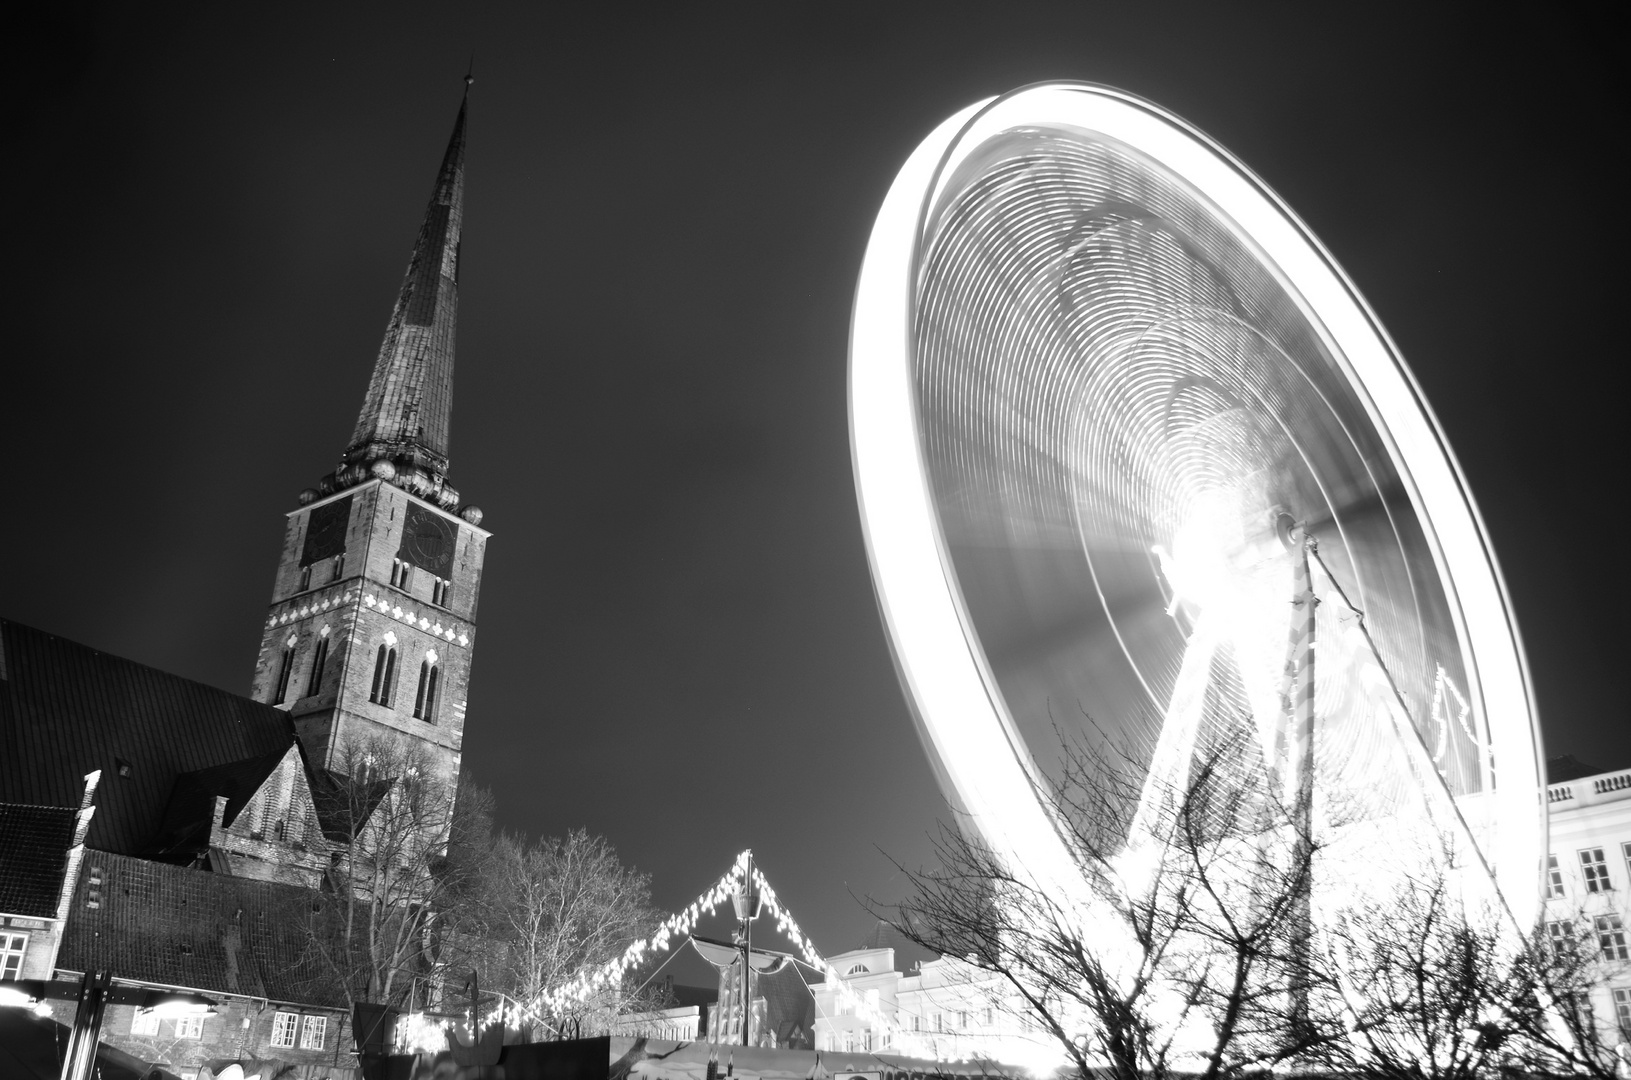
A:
406	415
67	709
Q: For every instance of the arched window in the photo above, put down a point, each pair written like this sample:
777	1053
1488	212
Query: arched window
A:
285	667
314	682
384	673
424	701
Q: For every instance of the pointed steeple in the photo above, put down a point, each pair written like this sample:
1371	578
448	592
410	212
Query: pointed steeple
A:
402	431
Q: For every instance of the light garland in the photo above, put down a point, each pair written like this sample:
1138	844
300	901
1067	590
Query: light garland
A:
791	931
421	1033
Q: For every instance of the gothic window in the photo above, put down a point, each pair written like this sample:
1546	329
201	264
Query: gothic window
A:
339	567
285	666
401	574
314	682
305	578
424	701
384	674
441	592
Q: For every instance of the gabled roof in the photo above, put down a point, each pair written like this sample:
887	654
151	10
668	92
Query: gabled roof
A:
174	926
67	709
34	843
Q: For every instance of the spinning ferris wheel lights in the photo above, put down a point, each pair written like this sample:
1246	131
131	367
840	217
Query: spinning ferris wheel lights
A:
1107	396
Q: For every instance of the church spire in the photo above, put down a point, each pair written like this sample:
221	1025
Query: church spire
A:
402	431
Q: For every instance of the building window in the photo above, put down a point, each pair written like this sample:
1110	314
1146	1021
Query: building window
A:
339	567
384	675
12	948
990	1016
962	1021
1595	868
1611	937
285	666
866	1040
1622	1011
424	701
401	575
917	1023
312	1032
305	578
1625	852
283	1028
441	592
144	1022
1560	936
190	1027
940	1022
314	681
1554	878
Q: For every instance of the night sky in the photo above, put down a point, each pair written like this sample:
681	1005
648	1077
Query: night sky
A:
666	211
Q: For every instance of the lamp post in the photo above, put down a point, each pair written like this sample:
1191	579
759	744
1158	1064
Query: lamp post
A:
747	902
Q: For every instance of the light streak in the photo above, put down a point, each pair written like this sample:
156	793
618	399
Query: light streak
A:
1080	319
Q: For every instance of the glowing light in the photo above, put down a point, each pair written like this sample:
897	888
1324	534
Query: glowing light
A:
1036	350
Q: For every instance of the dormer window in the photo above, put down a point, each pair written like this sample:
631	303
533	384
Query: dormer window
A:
401	574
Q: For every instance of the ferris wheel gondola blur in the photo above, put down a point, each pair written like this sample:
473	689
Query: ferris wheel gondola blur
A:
1114	410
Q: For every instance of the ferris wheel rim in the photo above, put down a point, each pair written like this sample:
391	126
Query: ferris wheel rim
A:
907	216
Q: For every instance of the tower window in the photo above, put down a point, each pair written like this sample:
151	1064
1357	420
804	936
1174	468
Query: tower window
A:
384	676
314	682
401	574
285	666
305	578
424	701
339	567
441	592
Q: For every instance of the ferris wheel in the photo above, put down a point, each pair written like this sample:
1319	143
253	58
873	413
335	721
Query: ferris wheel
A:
1130	446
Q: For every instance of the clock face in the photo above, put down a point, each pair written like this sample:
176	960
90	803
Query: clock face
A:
325	531
427	541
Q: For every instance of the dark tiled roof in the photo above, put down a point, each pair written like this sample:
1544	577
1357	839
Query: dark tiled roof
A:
908	953
789	1006
34	843
175	926
66	709
1560	770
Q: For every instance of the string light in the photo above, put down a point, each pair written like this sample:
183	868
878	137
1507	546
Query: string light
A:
422	1033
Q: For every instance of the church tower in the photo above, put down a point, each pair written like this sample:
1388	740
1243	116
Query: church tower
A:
372	620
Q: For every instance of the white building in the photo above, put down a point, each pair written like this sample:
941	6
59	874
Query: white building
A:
1588	880
943	1010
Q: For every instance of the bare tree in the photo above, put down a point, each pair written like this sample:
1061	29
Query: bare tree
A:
406	849
569	906
1191	944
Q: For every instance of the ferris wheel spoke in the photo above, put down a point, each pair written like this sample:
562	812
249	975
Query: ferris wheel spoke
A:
1169	767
